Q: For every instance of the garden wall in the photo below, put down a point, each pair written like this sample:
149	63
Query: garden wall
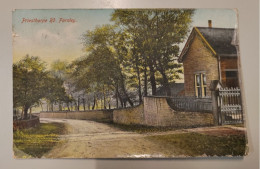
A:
95	115
155	111
23	124
133	115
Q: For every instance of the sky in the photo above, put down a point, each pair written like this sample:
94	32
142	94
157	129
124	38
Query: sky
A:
60	39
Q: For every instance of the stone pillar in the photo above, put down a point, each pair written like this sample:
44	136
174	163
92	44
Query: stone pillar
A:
215	85
215	109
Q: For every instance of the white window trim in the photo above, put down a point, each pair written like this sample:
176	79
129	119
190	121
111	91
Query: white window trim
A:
202	86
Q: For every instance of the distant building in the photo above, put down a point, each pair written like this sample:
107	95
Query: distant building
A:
177	89
209	55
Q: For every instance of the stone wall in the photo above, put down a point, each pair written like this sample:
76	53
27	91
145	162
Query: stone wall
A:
155	111
95	115
23	124
133	115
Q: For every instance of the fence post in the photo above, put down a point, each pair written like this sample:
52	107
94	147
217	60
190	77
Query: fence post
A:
215	109
214	87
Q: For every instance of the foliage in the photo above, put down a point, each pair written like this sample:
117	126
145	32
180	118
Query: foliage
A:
142	45
32	82
123	62
101	70
55	92
29	77
60	69
155	35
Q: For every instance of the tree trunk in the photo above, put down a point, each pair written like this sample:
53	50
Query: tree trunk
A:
51	106
71	106
117	96
145	81
152	80
105	102
78	103
41	105
124	91
121	100
165	79
166	84
94	102
68	105
139	85
30	112
25	112
138	73
104	97
84	104
60	107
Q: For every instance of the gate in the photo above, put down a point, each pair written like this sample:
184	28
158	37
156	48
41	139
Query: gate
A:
230	106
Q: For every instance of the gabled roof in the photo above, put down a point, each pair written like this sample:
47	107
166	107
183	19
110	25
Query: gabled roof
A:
218	40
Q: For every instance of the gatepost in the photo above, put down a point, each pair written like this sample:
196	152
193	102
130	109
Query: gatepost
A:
215	85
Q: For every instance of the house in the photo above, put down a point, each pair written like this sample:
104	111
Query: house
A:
209	55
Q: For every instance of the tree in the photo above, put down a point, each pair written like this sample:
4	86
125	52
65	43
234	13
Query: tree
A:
55	92
102	67
141	46
29	77
159	32
60	69
58	80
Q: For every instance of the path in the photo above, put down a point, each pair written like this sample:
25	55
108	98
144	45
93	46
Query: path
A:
88	139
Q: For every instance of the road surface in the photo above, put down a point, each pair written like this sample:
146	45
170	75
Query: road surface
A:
88	139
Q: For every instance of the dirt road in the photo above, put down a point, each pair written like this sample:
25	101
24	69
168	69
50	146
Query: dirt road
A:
88	139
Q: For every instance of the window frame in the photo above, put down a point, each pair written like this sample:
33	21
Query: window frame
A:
202	87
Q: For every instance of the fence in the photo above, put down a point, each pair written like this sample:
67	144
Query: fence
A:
191	104
229	101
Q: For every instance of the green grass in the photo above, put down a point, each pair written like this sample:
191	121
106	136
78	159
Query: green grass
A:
195	144
141	128
37	141
237	125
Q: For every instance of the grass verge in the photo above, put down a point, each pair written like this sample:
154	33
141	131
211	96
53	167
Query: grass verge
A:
195	144
37	141
141	128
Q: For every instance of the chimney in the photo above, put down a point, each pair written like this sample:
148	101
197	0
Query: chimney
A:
210	23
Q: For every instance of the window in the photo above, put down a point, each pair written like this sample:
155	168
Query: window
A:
231	78
200	85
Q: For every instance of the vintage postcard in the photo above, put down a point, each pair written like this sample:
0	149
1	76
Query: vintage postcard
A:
127	83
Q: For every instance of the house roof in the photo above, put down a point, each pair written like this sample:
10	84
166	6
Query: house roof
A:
218	40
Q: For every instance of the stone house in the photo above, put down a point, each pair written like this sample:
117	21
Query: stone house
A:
209	55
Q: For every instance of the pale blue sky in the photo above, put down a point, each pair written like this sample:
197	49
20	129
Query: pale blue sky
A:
52	41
